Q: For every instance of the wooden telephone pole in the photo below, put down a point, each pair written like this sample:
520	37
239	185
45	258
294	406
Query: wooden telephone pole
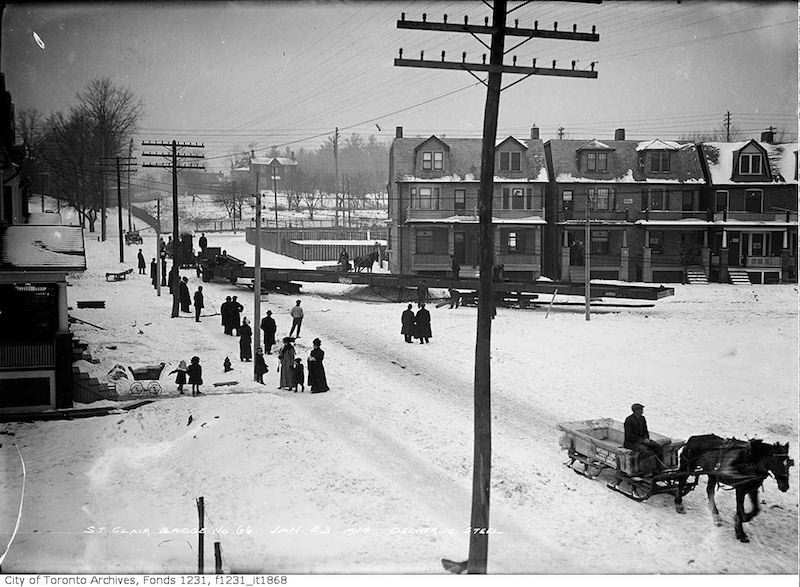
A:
482	448
118	163
172	156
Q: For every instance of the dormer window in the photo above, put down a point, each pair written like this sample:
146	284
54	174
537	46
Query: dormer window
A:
750	164
432	160
510	161
597	161
659	161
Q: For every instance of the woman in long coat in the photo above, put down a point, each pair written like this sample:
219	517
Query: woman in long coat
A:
316	370
245	341
286	357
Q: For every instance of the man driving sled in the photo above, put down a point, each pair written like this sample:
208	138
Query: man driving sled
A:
638	438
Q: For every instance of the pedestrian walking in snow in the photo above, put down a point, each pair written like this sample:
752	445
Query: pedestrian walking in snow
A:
286	356
455	297
297	318
245	341
225	311
260	366
407	320
202	242
226	365
317	380
422	293
180	378
173	281
456	266
163	256
198	303
299	375
154	273
269	327
142	264
236	313
423	325
183	295
195	373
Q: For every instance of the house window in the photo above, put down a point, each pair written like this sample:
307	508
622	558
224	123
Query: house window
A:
753	200
566	199
602	198
658	200
460	200
659	161
599	242
656	241
597	161
687	201
750	163
438	160
514	241
511	242
510	161
427	160
432	160
720	200
428	199
425	242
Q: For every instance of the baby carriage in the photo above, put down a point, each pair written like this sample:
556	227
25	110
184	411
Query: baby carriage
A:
145	379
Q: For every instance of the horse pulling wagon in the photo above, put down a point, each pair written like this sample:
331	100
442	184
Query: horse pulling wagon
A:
595	446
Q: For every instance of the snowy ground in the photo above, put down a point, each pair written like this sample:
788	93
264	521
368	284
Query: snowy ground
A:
375	476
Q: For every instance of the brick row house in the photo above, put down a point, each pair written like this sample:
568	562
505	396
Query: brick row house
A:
433	199
659	211
36	254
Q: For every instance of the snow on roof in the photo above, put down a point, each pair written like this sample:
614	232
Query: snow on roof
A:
569	178
343	243
474	220
658	144
719	157
470	177
729	222
44	218
594	144
42	247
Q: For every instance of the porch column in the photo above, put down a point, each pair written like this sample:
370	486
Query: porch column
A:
564	264
63	315
787	267
705	239
647	268
785	239
646	239
705	254
565	239
624	258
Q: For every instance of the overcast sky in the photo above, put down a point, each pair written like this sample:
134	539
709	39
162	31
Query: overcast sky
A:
286	74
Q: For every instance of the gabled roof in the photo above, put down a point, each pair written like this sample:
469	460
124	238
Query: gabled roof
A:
594	145
658	145
512	139
431	138
625	164
464	160
273	161
719	159
42	248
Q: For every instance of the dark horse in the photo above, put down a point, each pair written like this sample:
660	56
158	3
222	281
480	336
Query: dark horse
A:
742	465
365	262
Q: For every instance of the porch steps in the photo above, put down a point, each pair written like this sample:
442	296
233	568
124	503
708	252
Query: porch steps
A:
738	276
87	389
577	274
696	275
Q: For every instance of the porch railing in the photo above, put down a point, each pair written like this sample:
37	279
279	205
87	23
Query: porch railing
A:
26	354
763	261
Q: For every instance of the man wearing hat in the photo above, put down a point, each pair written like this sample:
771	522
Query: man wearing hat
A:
638	438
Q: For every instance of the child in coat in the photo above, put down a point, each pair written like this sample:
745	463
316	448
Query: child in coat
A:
299	375
195	372
180	378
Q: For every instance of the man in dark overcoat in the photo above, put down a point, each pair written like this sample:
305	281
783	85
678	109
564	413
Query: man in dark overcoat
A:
423	325
198	303
142	264
225	311
203	242
269	327
183	295
637	437
236	313
407	320
154	272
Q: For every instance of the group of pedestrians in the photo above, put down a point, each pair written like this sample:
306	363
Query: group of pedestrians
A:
416	325
292	372
231	311
194	374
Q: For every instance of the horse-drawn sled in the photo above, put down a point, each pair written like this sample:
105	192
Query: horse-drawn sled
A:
595	447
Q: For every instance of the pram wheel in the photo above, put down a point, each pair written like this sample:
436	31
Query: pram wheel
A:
154	388
137	388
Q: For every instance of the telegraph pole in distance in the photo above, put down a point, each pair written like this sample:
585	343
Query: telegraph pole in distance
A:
130	153
118	162
728	126
479	522
172	156
336	172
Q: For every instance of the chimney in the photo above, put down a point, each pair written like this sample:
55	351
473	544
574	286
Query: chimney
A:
534	132
398	132
768	136
292	154
619	134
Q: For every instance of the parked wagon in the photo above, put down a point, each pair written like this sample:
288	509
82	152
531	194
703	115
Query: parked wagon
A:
595	447
132	237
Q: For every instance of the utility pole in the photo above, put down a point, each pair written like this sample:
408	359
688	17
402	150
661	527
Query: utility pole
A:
130	153
158	247
275	193
172	156
587	256
560	132
479	521
336	172
257	285
118	162
728	126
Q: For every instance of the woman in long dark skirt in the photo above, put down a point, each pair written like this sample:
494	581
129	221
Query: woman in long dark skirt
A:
245	341
316	370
